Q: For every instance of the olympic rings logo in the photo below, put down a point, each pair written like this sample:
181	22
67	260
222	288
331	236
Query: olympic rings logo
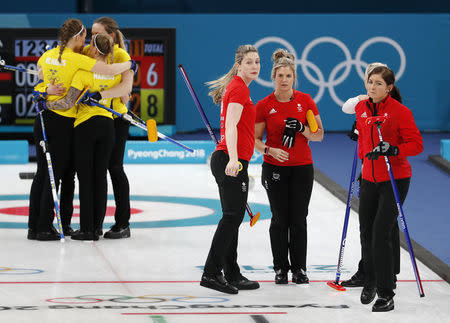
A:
332	81
144	299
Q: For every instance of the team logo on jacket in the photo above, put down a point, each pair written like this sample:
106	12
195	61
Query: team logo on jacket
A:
364	115
244	187
299	107
272	111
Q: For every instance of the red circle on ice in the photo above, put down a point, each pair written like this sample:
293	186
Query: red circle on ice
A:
23	210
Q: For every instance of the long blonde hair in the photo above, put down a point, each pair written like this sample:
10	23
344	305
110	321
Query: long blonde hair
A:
218	86
282	58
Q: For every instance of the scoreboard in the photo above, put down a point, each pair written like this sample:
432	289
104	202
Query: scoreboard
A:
153	93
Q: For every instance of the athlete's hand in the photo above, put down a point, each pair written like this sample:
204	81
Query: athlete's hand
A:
382	149
57	89
91	98
353	134
278	154
290	130
134	66
40	104
232	168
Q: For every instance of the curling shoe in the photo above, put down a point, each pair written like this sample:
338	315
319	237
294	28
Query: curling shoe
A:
383	304
368	295
281	277
31	235
219	283
117	233
242	283
299	277
357	280
50	235
84	235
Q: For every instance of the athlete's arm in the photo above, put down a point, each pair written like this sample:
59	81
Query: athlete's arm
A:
314	136
65	103
121	89
234	112
110	69
277	153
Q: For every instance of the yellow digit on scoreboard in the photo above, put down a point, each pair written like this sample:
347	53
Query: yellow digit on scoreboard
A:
152	104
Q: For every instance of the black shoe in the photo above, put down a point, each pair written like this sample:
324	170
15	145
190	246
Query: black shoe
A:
67	230
84	235
117	233
31	235
244	284
50	235
368	295
219	283
299	277
281	276
357	280
383	304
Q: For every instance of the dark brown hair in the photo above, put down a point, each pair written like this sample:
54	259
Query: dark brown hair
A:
389	77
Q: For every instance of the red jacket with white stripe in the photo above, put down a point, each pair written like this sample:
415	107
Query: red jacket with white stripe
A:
399	130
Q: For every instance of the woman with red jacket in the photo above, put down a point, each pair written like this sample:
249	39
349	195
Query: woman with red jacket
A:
229	165
377	206
287	171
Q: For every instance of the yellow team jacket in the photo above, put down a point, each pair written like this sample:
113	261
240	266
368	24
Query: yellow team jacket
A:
120	56
62	72
96	83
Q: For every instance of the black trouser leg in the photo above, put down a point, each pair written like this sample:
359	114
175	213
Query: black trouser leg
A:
275	181
39	177
119	179
59	132
233	197
379	224
300	189
93	144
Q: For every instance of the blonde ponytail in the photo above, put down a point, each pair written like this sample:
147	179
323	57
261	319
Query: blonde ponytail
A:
218	86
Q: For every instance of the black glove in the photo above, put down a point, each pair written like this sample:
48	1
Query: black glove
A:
382	149
295	124
40	104
91	98
353	134
290	130
134	66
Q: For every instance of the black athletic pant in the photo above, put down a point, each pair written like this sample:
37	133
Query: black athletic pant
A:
233	193
289	190
395	252
377	217
59	133
119	179
93	146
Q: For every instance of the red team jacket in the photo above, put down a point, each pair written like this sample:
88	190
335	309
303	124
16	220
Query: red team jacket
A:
238	92
273	113
399	130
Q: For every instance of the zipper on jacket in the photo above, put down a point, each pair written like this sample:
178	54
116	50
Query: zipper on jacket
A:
374	114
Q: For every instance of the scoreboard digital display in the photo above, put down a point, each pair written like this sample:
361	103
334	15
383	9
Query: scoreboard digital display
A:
153	93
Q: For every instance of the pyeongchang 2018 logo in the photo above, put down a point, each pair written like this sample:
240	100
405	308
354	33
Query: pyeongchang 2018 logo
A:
333	79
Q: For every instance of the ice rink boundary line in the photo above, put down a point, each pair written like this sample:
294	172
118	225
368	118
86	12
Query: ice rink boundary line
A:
439	267
177	281
204	313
